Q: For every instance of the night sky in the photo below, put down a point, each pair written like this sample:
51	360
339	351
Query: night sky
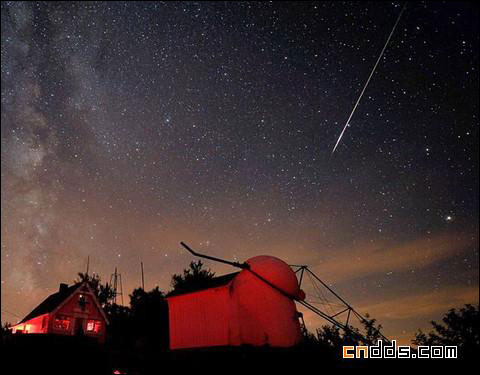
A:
129	127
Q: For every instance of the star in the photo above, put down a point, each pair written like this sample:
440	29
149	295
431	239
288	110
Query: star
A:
449	218
128	127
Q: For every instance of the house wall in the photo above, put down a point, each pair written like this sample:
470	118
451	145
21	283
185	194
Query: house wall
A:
69	309
38	324
73	310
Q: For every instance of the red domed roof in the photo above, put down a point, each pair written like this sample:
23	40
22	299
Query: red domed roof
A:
277	272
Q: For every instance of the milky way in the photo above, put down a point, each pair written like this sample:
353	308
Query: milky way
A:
129	127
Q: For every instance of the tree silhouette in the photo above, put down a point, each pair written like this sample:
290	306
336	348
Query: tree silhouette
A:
5	330
193	279
372	331
329	340
459	328
147	306
149	312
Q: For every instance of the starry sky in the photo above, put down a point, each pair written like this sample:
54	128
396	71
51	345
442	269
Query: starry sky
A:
129	127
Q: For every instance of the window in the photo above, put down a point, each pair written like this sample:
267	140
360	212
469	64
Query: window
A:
94	326
82	301
62	322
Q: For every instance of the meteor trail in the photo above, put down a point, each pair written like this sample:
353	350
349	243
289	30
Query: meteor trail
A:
369	78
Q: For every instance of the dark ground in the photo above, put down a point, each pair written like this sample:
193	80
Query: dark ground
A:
48	354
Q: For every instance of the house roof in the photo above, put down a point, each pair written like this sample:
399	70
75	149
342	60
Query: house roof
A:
207	284
52	302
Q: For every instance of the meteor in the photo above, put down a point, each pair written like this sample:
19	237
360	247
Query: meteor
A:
369	78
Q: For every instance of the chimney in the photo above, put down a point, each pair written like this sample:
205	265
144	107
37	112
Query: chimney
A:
63	287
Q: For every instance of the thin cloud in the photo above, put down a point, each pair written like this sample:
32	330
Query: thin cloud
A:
423	304
370	259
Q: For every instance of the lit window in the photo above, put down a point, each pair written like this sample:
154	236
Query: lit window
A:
61	322
82	301
94	326
19	329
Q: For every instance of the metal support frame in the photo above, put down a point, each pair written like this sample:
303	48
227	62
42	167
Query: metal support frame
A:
331	318
302	269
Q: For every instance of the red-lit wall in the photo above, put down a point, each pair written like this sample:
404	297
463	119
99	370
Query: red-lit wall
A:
247	311
71	309
38	324
265	316
199	319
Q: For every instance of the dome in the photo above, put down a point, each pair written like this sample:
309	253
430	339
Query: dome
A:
277	272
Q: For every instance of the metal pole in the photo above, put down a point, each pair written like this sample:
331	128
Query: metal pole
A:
331	320
301	277
323	315
244	266
115	286
235	264
121	288
143	280
341	312
326	286
350	308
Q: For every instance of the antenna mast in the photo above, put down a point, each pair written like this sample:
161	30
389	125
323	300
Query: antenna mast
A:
116	281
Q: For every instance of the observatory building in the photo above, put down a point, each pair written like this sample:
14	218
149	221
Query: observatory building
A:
252	307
